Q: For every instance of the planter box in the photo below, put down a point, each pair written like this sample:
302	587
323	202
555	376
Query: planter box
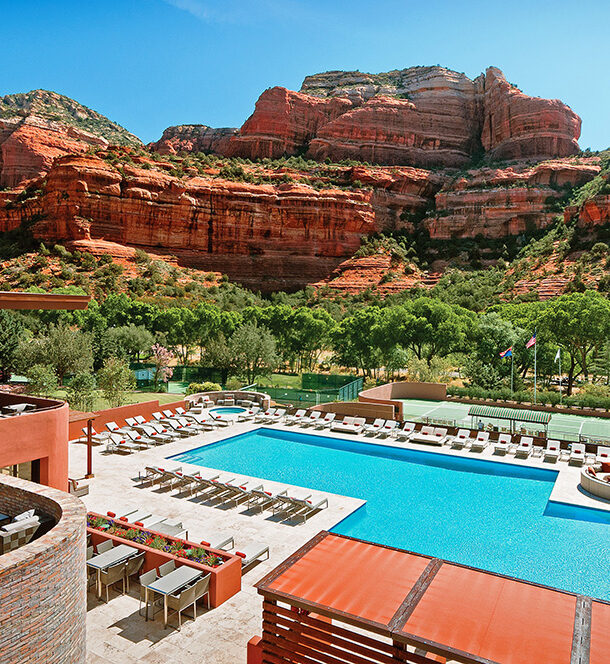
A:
224	582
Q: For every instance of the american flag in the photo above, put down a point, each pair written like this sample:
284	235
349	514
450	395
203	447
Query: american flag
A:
531	342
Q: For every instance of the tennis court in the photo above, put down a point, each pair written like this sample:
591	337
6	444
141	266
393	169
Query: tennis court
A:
562	426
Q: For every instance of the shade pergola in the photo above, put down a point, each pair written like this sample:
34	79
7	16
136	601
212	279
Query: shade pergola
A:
87	419
512	414
428	609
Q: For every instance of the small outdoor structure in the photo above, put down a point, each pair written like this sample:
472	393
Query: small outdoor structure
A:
408	607
513	415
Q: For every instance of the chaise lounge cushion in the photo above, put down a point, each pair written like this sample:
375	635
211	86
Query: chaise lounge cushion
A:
23	524
24	515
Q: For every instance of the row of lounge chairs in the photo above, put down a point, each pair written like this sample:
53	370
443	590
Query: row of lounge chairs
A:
164	427
235	490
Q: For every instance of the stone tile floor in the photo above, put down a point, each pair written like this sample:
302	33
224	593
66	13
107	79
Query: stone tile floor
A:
115	631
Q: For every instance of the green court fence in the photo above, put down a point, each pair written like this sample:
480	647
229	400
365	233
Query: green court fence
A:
312	381
304	397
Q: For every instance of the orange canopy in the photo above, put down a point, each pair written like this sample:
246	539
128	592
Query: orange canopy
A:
455	611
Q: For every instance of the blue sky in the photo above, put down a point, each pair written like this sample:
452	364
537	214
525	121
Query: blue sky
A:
148	64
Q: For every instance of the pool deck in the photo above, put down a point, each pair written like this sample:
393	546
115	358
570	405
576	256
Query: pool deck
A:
115	631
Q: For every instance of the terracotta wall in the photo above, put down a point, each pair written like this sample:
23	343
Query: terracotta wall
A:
118	415
357	409
43	602
42	434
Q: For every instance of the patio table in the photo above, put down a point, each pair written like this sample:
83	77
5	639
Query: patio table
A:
111	557
168	584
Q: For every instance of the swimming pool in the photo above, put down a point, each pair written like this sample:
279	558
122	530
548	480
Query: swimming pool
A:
491	515
227	410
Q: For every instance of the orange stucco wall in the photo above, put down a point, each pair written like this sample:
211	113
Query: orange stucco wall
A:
118	415
40	435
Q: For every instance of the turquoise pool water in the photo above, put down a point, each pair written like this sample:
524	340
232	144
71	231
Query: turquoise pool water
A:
481	513
227	410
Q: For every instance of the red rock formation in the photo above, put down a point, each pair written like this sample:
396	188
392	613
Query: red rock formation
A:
518	127
500	202
422	116
262	235
194	138
28	147
283	122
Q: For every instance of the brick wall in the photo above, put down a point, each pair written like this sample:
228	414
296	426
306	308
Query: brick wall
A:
43	602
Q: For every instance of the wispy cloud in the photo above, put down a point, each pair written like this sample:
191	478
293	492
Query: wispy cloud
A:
244	11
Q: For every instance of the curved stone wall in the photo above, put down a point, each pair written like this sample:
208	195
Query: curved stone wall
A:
43	599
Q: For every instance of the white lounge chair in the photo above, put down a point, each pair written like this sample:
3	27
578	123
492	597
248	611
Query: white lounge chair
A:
603	455
266	415
113	427
216	539
480	442
388	428
250	414
406	431
165	430
345	426
325	422
375	427
262	499
552	451
301	507
525	447
424	435
461	439
577	454
312	419
251	553
296	417
97	438
117	443
139	439
502	445
277	416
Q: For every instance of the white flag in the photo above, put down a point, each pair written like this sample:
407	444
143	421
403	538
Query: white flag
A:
558	355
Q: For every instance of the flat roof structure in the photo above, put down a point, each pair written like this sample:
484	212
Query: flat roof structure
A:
34	301
428	607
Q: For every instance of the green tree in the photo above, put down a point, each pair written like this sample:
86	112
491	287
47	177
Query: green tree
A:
579	323
219	354
82	391
254	351
130	340
351	341
12	331
42	380
66	350
115	380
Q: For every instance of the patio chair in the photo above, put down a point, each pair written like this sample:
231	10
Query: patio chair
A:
577	454
165	430
388	428
113	427
178	428
525	447
177	603
203	480
145	580
603	455
325	422
461	439
263	417
502	445
156	436
312	419
140	419
239	491
202	589
375	427
141	440
480	442
293	419
286	502
406	431
552	451
216	539
112	575
133	566
305	507
89	552
119	444
104	546
250	414
251	553
191	425
440	435
167	567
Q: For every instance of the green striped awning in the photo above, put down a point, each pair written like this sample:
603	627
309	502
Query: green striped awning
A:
499	413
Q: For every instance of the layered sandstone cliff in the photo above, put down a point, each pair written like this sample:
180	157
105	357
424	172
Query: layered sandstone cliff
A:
500	202
421	116
194	138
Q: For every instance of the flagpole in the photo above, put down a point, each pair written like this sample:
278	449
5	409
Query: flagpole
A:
560	391
535	372
512	364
